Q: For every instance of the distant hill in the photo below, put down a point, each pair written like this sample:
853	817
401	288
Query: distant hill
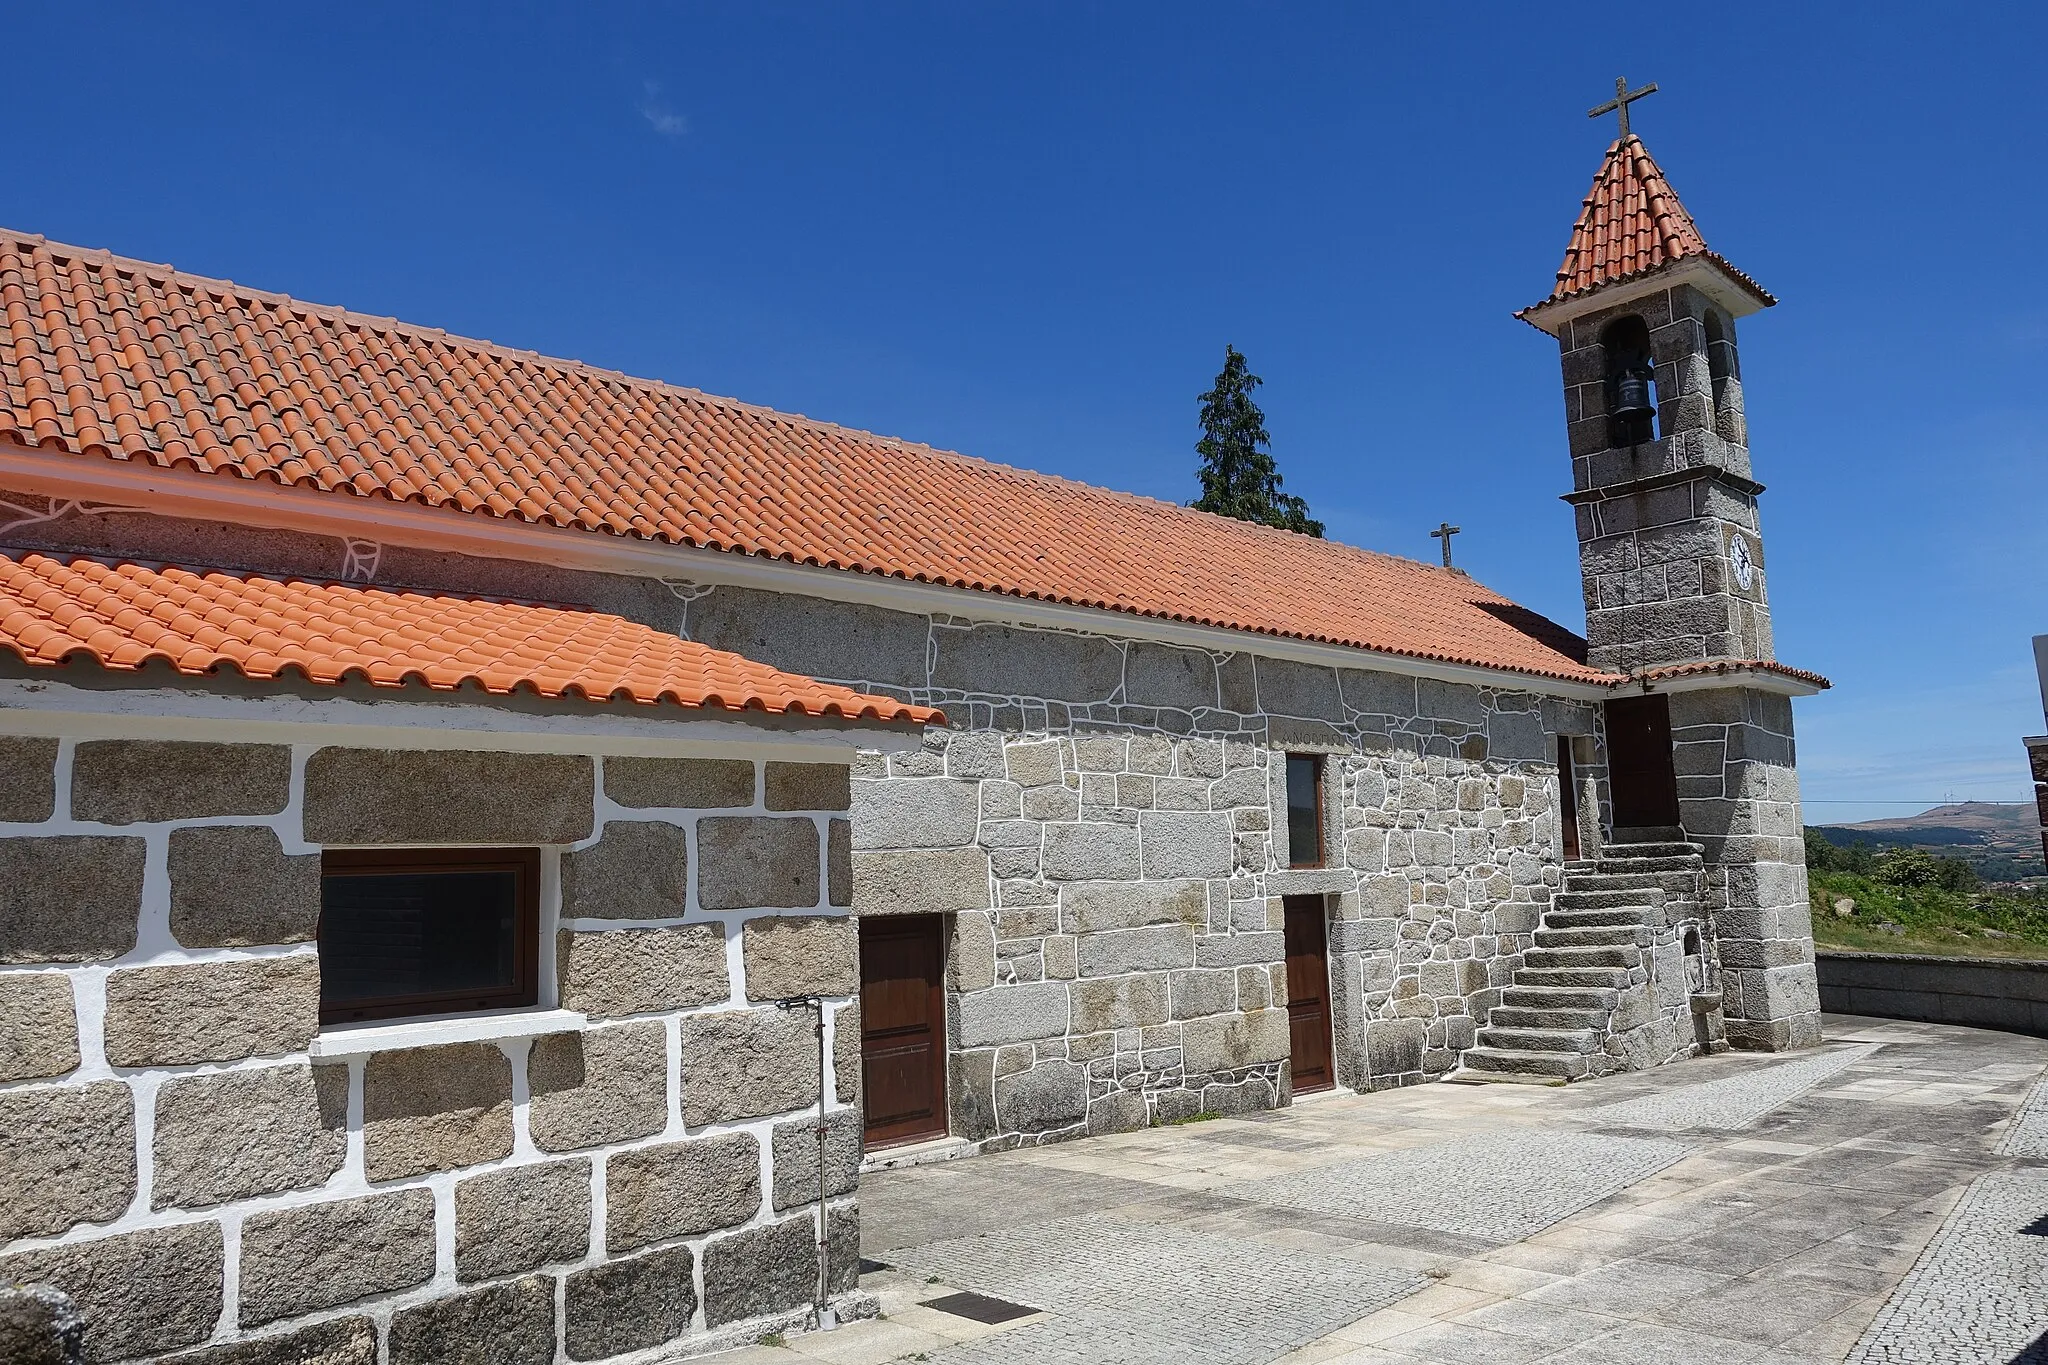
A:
1982	817
2003	839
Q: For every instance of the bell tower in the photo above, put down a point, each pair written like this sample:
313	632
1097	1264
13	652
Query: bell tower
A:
1695	744
1644	314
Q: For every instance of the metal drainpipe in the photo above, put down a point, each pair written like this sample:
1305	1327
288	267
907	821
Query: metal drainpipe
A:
822	1316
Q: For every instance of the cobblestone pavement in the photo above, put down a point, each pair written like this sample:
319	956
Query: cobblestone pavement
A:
1981	1291
2028	1135
1234	1301
1742	1210
1735	1102
1492	1187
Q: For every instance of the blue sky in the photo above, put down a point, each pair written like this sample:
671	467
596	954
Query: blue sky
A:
1026	231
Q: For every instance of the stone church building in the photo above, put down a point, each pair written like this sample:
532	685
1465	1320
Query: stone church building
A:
487	845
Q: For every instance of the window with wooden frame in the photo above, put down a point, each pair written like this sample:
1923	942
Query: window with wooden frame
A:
1305	811
416	931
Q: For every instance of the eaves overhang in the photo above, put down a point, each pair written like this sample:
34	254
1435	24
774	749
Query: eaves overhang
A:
1732	290
152	488
1760	675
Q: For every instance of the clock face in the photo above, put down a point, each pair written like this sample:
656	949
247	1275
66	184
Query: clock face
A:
1739	562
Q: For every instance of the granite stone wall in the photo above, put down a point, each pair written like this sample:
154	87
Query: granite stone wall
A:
1738	797
1105	828
210	1176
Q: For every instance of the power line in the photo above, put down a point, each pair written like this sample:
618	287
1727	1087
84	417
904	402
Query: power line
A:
1865	801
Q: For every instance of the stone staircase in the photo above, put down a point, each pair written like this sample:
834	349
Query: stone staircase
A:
1588	977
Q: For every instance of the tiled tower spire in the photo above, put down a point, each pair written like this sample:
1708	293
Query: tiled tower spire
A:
1630	224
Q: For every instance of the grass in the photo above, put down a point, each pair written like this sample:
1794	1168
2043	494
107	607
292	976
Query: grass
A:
2009	924
1183	1122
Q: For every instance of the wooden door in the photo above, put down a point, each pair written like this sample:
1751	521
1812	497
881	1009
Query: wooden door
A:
903	1028
1567	798
1308	993
1639	764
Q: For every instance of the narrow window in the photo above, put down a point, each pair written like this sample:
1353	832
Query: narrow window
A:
1567	799
1305	810
427	931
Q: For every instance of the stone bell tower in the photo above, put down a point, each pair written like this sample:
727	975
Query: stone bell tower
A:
1697	747
1644	314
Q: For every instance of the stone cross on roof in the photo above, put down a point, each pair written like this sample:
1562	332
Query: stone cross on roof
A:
1623	97
1444	531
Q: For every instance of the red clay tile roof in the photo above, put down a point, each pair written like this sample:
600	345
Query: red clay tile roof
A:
107	357
1705	666
1630	224
124	616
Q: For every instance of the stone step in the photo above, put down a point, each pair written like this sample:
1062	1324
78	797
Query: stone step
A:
1620	916
1637	882
1661	848
1623	958
1687	863
1507	1063
1572	978
1540	1039
1648	834
1550	935
1522	996
1521	1017
1575	899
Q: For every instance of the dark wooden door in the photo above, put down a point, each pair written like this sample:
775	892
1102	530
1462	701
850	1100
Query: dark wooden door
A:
1639	764
1567	798
1308	993
903	1028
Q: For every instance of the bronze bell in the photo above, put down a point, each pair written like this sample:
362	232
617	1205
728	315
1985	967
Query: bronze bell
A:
1632	394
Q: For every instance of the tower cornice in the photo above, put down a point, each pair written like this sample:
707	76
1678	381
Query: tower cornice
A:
1668	479
1707	271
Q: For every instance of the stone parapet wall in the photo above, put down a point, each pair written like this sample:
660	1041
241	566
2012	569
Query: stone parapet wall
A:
1974	991
211	1176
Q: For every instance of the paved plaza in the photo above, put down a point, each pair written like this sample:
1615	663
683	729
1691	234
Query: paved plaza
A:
1883	1198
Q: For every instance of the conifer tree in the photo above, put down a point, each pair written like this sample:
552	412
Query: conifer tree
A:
1238	476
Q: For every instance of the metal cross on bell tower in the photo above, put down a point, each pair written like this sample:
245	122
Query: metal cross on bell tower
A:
1623	97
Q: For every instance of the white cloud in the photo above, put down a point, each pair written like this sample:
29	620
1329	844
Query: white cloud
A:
660	117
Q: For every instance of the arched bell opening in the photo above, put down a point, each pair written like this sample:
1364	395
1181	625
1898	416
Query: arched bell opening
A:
1723	370
1631	382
